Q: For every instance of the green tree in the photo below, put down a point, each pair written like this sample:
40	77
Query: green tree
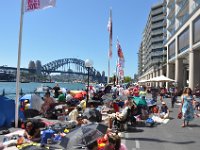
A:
127	79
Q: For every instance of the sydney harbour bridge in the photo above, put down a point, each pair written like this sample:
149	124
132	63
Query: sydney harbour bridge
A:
69	66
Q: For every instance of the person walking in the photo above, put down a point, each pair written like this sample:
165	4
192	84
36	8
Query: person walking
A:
186	107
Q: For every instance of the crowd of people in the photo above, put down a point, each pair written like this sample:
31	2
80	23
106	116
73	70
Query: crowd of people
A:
114	106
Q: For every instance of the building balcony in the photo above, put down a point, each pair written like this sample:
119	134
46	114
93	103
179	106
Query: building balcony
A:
159	53
195	5
157	46
171	25
170	2
156	32
157	18
157	39
183	8
165	23
178	1
182	20
157	11
156	25
171	11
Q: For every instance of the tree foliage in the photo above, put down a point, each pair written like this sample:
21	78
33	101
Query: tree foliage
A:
127	79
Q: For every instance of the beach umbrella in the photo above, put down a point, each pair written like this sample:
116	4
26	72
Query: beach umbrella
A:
79	96
122	97
139	101
83	135
107	97
63	90
92	115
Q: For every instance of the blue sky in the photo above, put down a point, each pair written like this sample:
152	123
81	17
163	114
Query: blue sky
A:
74	29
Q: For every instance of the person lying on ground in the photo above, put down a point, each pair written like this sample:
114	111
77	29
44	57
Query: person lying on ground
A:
32	132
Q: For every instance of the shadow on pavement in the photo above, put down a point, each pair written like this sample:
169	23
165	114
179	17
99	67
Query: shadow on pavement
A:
133	130
158	140
194	125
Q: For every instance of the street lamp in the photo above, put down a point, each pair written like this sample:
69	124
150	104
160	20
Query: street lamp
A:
114	78
88	65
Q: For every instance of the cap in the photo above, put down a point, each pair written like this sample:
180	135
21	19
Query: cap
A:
163	103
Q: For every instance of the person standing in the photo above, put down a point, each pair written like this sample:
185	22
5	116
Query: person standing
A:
174	97
56	89
186	107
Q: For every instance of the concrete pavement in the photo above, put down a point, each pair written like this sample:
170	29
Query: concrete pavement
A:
165	136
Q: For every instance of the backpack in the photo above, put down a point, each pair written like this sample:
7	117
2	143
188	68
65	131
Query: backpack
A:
149	122
46	134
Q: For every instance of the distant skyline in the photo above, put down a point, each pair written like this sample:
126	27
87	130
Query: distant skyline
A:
74	29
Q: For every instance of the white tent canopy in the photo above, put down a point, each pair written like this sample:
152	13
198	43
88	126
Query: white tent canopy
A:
161	78
142	81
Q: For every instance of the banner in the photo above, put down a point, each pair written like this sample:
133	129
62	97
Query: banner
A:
119	50
31	5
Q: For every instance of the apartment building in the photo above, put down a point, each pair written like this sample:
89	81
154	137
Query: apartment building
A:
152	54
183	42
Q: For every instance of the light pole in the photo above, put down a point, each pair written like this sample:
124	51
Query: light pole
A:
88	65
114	78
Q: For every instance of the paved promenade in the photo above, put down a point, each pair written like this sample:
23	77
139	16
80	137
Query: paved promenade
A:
170	136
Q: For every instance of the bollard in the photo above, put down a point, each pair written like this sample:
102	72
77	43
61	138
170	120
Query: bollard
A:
21	92
3	93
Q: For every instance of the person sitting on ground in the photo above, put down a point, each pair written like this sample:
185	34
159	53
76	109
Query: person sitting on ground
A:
68	96
48	101
121	116
61	97
32	132
164	111
114	142
82	105
74	113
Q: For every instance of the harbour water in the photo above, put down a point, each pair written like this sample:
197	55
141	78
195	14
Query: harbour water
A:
10	87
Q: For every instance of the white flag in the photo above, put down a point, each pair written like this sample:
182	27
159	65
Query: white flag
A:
31	5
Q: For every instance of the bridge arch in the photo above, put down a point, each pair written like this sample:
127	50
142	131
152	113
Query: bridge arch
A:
81	68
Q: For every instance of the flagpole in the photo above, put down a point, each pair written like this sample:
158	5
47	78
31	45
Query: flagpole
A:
110	44
18	64
108	79
117	72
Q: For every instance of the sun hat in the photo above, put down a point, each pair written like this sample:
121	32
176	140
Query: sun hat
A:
163	103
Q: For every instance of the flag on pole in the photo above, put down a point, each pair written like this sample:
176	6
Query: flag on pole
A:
119	51
31	5
110	34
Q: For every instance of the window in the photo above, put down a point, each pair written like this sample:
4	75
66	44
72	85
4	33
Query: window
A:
196	30
171	50
183	40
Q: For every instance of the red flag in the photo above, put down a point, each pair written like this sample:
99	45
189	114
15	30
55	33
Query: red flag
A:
119	50
110	34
